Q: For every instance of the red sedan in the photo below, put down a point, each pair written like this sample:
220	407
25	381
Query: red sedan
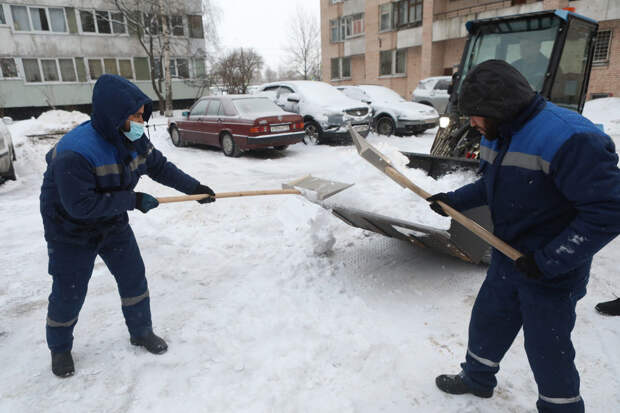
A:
236	123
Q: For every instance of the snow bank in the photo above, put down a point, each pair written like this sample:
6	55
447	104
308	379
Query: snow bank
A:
51	122
605	111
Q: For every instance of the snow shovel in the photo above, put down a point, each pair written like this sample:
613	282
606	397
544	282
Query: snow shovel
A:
314	189
378	160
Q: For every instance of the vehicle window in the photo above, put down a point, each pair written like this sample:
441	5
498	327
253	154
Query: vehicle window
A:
284	91
425	84
214	108
200	108
248	106
354	93
442	84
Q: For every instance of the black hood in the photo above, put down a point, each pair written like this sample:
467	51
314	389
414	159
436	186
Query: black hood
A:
494	89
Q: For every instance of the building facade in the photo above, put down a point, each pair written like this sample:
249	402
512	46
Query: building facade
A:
53	51
398	43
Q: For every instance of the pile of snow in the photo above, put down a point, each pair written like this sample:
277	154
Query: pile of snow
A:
605	111
51	122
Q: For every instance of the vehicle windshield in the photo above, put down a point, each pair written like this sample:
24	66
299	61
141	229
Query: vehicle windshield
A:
382	94
255	105
524	43
322	92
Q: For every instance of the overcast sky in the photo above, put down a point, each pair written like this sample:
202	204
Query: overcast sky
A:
261	24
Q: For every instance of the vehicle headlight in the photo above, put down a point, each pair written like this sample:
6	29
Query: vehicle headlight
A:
444	122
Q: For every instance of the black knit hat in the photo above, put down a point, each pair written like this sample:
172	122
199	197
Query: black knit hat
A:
494	89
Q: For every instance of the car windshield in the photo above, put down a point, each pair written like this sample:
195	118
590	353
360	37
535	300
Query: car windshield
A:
255	105
322	92
382	94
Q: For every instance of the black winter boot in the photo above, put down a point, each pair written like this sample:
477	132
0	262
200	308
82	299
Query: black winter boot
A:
454	384
609	307
62	364
151	342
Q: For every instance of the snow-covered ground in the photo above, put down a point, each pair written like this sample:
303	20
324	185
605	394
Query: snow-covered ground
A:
271	304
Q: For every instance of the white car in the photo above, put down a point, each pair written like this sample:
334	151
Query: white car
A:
325	110
433	91
7	153
392	113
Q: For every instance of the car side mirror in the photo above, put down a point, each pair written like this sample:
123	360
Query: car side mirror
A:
185	114
7	120
293	97
366	101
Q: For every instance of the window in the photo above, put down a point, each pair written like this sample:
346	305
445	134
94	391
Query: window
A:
409	12
199	68
182	68
336	1
8	68
109	66
338	28
385	16
32	70
195	27
141	66
176	25
601	47
102	22
39	19
214	108
354	25
50	70
2	18
200	109
393	62
20	18
67	70
125	70
57	18
95	68
341	68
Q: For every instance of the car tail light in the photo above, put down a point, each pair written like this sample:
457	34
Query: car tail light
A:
259	129
298	125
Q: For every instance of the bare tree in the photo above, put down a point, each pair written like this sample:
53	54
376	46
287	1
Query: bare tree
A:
270	75
238	68
304	46
156	23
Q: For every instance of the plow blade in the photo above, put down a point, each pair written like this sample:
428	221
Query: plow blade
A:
437	166
457	241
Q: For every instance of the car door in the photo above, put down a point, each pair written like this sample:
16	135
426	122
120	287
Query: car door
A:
213	123
192	128
440	95
282	101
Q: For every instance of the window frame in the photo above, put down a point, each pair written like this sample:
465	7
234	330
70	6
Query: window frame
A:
340	61
407	6
102	60
93	13
4	16
390	14
393	66
17	72
602	62
349	24
60	80
30	22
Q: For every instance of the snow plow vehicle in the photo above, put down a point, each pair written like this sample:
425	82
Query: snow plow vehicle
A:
554	51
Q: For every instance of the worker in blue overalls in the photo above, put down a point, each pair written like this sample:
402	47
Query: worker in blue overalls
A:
551	180
87	189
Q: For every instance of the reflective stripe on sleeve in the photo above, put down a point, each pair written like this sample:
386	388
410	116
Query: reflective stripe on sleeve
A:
52	323
484	361
134	300
560	400
110	169
487	154
526	161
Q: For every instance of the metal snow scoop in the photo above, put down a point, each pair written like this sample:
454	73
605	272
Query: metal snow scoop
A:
377	159
314	189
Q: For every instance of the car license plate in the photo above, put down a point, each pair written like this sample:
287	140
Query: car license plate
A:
280	128
360	128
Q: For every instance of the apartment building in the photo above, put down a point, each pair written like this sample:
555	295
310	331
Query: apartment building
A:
53	51
397	43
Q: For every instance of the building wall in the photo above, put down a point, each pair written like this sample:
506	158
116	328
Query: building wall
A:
449	38
18	93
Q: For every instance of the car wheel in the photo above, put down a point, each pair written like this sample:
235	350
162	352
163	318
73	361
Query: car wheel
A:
385	126
313	131
229	146
280	147
175	137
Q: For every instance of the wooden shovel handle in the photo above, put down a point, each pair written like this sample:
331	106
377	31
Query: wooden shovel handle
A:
183	198
458	217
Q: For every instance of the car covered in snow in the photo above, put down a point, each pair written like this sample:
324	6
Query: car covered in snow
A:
433	91
391	113
236	123
7	152
325	111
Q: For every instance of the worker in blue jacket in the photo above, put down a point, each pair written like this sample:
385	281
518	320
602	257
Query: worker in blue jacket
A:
551	180
87	189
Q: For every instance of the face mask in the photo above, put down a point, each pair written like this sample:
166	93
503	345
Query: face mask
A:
136	130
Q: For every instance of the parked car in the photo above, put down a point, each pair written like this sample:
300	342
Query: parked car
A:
236	123
325	110
7	152
433	91
391	113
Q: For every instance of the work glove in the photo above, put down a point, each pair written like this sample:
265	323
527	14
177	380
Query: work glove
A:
441	196
203	189
527	265
145	202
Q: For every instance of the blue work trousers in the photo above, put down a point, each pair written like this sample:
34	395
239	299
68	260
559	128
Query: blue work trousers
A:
71	267
547	316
